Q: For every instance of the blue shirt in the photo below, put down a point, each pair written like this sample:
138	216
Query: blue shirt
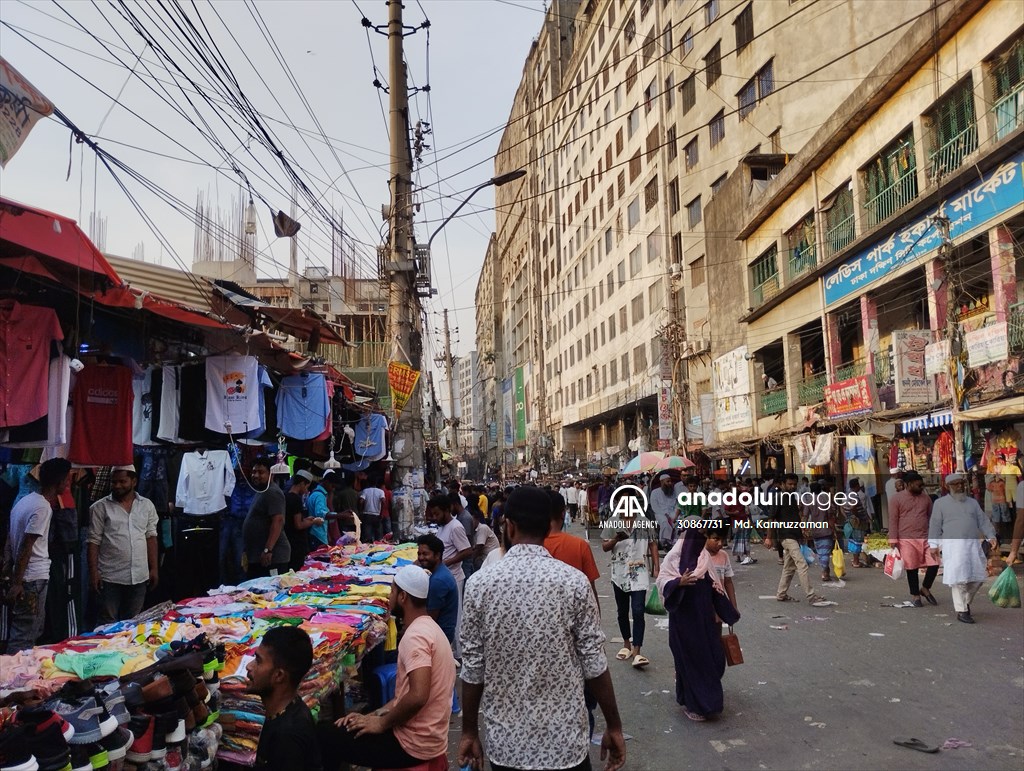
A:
443	595
316	505
303	407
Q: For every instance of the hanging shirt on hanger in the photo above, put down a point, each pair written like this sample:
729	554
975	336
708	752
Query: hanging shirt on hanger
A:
369	441
303	407
170	399
205	481
101	433
142	409
27	333
233	394
57	421
192	393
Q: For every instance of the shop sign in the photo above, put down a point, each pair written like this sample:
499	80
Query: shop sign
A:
508	435
849	398
402	379
987	345
730	377
936	357
967	210
664	445
665	411
21	106
520	404
913	384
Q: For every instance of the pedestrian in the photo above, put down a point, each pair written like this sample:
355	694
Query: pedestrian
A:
452	534
742	524
484	540
454	488
858	521
663	506
720	562
786	530
956	522
604	497
820	514
1018	524
318	505
1002	517
698	604
461	513
266	546
443	595
371	507
27	557
497	506
122	552
577	501
297	522
531	638
231	549
910	512
570	549
288	738
632	542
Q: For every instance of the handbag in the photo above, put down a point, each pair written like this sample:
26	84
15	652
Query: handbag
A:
838	562
733	652
894	565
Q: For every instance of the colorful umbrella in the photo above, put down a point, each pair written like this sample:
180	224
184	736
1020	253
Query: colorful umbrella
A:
674	461
645	461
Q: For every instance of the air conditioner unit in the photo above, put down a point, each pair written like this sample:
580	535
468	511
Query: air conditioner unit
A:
687	349
703	345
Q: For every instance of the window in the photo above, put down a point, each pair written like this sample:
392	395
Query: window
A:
625	366
611	284
653	141
640	359
744	25
655	296
717	184
654	246
677	247
764	276
689	93
693	213
611	327
756	89
687	41
666	39
633	124
697	272
710	11
648	50
801	245
619	142
692	154
614	371
747	99
766	80
890	180
602	333
1007	73
670	142
717	128
618	98
636	262
623	320
634	166
608	241
651	194
713	65
633	214
645	7
631	75
954	130
621	183
621	270
630	29
839	220
670	92
637	306
650	94
586	344
673	196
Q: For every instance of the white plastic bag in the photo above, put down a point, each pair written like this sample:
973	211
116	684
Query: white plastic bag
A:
894	565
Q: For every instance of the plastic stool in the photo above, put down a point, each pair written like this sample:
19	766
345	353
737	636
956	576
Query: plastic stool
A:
456	707
386	674
440	763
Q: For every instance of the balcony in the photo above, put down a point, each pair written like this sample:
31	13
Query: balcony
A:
765	291
951	154
883	368
850	369
840	235
891	199
811	390
1015	327
774	401
802	261
1009	111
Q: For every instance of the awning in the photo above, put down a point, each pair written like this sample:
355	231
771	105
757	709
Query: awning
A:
303	323
1004	409
925	422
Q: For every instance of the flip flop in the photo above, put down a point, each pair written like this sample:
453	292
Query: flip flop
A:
787	598
694	716
914	744
624	654
640	661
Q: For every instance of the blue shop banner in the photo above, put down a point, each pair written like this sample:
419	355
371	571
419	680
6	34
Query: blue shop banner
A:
997	193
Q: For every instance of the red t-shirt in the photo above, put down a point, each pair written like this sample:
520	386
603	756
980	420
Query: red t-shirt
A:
26	335
572	551
101	434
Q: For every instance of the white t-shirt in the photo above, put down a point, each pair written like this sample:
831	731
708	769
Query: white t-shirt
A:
453	536
170	400
233	393
142	409
32	516
485	537
568	494
1018	496
372	498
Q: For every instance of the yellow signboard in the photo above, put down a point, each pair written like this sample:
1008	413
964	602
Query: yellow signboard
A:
402	378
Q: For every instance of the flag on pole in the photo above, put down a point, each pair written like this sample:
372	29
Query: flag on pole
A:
402	378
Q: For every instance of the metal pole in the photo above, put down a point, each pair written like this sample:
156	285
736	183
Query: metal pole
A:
453	420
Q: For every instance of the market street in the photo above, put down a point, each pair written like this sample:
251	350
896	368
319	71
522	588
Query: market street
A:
824	692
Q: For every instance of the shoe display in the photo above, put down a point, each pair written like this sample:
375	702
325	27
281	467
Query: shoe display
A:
182	681
178	734
98	756
80	758
156	689
164	724
14	750
117	743
49	746
39	718
113	699
90	719
141	727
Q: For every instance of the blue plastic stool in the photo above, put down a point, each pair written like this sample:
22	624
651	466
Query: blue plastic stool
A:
386	674
456	707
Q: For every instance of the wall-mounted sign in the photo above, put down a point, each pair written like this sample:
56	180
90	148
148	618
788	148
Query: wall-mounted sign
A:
849	398
987	345
913	384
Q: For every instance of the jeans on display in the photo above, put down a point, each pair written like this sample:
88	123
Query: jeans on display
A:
624	602
118	602
28	615
232	547
153	476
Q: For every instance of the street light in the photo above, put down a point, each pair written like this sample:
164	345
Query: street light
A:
498	181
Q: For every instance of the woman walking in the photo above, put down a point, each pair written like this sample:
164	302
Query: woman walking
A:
697	604
632	540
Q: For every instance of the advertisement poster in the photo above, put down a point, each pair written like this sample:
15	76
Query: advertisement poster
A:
507	413
665	411
913	383
730	376
987	345
850	398
520	404
936	357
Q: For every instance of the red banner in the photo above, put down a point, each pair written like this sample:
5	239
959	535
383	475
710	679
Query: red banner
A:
849	398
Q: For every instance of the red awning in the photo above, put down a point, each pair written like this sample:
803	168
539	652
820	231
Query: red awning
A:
52	246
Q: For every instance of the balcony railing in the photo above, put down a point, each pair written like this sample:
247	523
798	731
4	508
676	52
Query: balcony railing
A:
774	401
1015	327
950	156
1009	111
840	235
850	369
802	261
811	390
883	368
766	290
892	199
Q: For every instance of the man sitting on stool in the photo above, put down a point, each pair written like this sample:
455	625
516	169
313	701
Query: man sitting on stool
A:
413	726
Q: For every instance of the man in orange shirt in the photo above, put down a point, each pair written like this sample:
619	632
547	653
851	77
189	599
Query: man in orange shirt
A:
569	549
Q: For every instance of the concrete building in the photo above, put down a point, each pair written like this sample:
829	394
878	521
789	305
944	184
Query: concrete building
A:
629	119
490	357
881	269
470	395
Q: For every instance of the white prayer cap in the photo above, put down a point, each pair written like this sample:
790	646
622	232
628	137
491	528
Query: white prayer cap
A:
413	580
129	467
956	476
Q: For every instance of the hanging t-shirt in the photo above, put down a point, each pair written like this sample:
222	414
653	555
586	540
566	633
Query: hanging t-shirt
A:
51	431
264	383
142	409
369	441
192	393
26	336
303	407
101	434
233	394
170	399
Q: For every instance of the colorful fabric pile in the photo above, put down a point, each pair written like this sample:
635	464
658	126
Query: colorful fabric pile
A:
340	599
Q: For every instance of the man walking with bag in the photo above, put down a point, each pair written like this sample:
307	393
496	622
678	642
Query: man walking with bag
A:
910	511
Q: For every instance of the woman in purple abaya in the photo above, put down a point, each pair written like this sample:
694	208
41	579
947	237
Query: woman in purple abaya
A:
695	600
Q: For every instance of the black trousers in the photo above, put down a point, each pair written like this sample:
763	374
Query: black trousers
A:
929	578
584	766
338	745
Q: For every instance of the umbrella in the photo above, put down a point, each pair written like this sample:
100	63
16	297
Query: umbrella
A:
674	461
645	461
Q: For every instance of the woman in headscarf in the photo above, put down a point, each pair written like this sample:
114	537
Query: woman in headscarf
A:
697	606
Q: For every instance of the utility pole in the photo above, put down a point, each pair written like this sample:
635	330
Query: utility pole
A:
400	269
448	362
435	467
957	354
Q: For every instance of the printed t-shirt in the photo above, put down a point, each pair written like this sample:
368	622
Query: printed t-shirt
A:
573	551
233	394
373	499
170	399
443	596
425	734
303	407
722	565
26	336
143	409
32	516
102	430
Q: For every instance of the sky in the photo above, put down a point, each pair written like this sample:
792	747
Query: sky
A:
473	65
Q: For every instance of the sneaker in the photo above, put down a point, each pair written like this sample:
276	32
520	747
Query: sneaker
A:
98	756
14	750
182	681
156	689
49	746
90	719
747	561
40	718
113	699
80	758
141	727
178	734
117	744
164	724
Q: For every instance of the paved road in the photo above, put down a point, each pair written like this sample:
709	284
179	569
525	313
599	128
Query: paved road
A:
826	694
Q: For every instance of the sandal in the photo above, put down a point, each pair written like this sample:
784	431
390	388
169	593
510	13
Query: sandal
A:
787	598
640	661
816	598
914	744
694	716
624	654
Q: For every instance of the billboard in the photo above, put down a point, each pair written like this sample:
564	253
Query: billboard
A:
507	414
520	404
730	379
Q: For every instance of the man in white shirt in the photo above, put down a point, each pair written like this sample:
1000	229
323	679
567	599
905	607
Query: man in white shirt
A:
452	534
484	540
371	502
